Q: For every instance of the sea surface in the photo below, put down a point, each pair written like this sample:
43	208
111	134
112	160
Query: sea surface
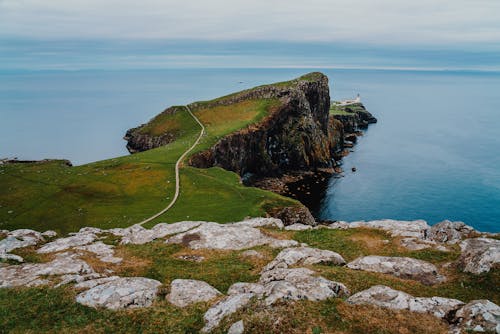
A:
433	155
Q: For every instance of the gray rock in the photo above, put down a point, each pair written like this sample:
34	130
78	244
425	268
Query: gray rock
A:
29	274
298	227
479	316
402	267
450	232
240	287
18	239
138	235
261	222
78	239
85	283
223	308
397	228
415	244
306	256
124	292
104	252
438	306
299	283
236	328
382	296
49	234
229	237
479	255
184	292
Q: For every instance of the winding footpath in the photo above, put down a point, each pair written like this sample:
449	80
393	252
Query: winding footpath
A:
177	166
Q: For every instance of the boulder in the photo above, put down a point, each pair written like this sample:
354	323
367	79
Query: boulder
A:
402	267
450	232
229	237
298	283
124	292
479	255
479	316
384	296
305	256
223	308
184	292
298	227
30	274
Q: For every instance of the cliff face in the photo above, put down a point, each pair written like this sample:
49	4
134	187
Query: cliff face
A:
138	140
356	117
299	135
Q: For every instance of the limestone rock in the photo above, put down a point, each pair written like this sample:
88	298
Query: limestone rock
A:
397	228
124	292
261	222
479	315
240	287
402	267
438	306
18	239
80	279
298	227
236	328
382	296
78	239
184	292
415	244
223	308
306	256
49	234
29	274
450	232
479	255
138	235
230	237
104	252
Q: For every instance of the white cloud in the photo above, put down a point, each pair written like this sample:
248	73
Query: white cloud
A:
366	21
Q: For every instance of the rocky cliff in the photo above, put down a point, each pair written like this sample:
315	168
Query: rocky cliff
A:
297	136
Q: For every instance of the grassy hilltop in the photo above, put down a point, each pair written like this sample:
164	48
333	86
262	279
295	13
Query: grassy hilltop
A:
123	191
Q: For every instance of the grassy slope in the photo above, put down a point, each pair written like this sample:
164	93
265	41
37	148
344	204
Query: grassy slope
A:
125	190
341	110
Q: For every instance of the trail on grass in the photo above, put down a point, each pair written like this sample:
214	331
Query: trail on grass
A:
177	165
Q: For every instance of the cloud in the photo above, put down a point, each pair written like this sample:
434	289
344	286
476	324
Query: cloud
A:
386	22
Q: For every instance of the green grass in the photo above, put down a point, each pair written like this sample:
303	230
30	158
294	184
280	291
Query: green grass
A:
123	191
345	110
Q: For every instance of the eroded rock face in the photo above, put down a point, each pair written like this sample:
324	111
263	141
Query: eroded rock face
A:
402	267
450	232
306	256
184	292
479	255
480	316
32	274
227	236
124	292
223	308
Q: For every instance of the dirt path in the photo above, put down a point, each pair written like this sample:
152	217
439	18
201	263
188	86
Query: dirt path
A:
177	166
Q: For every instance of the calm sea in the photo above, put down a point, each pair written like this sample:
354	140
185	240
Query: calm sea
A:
434	155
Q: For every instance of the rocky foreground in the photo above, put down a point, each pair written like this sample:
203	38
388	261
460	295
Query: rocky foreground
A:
288	277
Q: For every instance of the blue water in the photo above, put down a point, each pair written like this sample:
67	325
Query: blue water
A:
433	155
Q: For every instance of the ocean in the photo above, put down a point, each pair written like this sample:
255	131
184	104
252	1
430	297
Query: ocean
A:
434	153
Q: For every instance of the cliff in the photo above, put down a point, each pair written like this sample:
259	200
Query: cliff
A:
299	135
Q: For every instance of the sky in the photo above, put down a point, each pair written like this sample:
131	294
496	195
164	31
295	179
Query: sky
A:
83	34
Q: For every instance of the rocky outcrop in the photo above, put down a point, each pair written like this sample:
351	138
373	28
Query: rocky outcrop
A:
184	292
450	232
306	256
227	236
19	239
223	308
142	139
120	293
479	255
355	117
402	267
479	316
